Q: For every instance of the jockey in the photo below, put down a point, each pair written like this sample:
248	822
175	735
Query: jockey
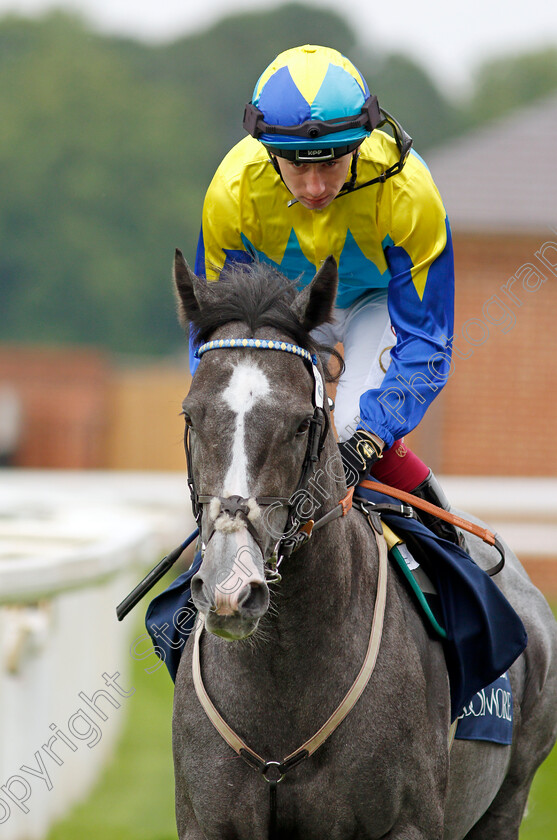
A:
316	177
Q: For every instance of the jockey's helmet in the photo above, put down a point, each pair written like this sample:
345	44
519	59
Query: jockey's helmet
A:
311	104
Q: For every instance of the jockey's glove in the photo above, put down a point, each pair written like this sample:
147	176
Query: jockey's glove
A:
359	453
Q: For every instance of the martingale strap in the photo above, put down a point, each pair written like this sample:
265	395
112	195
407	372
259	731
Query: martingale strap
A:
343	709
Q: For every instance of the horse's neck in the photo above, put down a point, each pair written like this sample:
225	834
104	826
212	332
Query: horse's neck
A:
332	576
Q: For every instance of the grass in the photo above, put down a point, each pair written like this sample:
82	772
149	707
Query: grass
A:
135	798
540	822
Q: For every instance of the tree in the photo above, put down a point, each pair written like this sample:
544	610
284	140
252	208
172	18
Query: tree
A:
100	186
504	84
107	146
408	92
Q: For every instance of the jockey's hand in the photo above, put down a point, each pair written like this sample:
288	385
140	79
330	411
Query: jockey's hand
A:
359	453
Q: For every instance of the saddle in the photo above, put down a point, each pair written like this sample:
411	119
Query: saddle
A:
482	635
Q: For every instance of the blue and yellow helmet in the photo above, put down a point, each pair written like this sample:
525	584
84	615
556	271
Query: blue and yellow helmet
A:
311	104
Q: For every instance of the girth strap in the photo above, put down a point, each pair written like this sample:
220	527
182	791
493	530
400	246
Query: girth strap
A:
353	694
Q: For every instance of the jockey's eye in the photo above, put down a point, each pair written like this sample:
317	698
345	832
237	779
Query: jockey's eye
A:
304	426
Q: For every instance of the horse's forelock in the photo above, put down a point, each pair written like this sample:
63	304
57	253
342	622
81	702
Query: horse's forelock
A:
256	295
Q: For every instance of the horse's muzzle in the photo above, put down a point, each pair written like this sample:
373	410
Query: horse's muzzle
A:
232	595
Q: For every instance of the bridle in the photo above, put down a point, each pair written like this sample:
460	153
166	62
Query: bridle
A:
297	529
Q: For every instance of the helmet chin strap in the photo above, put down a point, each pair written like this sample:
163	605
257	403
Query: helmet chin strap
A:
276	167
351	183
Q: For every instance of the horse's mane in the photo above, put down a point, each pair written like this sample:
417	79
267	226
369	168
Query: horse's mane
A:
257	295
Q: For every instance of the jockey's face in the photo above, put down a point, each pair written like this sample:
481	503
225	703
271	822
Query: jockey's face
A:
315	185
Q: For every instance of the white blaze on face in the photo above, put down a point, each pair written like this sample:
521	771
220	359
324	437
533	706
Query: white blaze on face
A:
248	386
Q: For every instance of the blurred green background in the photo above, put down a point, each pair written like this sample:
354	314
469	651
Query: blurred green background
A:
107	146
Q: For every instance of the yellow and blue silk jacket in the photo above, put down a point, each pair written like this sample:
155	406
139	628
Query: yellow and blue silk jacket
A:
392	235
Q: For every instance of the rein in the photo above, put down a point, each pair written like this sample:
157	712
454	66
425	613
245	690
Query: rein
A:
487	536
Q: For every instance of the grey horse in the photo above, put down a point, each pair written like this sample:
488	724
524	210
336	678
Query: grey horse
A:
276	658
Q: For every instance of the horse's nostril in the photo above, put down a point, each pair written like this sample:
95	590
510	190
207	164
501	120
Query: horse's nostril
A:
201	597
253	599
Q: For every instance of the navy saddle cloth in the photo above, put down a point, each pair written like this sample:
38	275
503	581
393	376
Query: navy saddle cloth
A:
171	617
484	633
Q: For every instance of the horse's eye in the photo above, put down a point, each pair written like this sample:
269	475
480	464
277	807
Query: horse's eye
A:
304	426
187	419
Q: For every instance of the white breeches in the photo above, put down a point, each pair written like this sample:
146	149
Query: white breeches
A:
365	331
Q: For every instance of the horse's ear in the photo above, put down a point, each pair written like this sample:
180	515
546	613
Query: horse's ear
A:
191	290
314	305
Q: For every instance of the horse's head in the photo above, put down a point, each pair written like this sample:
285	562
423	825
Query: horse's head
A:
251	416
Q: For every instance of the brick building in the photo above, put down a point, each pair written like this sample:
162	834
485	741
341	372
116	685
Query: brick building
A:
497	415
63	397
77	408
